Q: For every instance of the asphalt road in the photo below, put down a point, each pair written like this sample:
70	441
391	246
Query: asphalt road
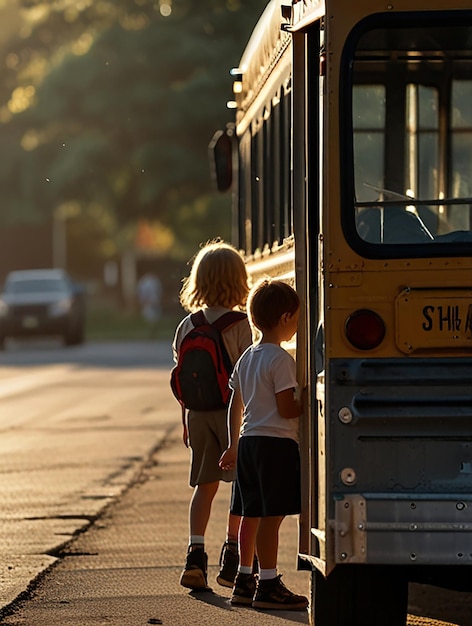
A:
76	426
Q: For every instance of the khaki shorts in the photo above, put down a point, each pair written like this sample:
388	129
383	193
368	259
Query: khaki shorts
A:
208	436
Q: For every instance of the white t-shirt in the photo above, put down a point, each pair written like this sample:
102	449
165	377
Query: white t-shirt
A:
262	371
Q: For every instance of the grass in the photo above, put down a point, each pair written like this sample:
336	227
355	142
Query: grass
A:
105	323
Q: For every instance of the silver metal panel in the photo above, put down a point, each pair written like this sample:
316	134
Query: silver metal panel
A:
412	531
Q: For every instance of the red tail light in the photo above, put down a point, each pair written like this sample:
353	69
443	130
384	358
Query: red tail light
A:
365	329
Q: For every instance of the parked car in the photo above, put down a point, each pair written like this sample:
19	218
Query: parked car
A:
42	303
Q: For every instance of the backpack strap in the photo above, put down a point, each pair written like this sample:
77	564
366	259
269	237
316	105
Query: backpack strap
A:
198	319
227	319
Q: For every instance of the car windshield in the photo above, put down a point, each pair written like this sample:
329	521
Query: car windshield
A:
41	285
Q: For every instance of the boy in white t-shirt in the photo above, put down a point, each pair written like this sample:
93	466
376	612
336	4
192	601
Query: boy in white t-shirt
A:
263	446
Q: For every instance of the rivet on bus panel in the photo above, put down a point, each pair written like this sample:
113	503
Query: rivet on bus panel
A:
345	415
348	476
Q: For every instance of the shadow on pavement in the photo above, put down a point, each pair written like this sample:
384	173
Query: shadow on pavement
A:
210	597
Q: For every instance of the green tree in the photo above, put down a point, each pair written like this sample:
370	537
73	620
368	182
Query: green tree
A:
113	102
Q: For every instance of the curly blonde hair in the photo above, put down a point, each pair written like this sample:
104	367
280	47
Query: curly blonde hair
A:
218	278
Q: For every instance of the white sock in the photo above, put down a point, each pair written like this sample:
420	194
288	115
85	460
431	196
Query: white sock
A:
244	569
196	540
267	574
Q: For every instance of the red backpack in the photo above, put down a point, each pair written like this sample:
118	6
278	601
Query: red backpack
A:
199	381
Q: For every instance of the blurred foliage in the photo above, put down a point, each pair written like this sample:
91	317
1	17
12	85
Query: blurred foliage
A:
109	105
109	323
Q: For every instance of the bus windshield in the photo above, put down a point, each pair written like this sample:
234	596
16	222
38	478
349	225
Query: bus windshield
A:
410	131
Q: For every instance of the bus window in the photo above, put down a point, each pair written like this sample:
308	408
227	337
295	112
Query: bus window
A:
368	113
460	217
285	178
244	232
264	194
422	149
408	137
257	195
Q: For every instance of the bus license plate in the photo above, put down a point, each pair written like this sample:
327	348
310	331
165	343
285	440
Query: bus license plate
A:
429	319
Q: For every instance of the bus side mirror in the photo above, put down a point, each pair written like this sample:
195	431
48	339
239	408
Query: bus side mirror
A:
221	158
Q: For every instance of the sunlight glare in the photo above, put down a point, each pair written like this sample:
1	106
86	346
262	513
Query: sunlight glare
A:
165	7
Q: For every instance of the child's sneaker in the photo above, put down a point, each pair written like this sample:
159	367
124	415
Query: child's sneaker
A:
273	594
229	561
244	589
194	575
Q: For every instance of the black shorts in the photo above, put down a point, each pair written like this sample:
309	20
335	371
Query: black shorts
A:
267	477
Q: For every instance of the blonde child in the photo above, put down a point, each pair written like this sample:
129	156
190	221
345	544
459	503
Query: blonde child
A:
263	438
217	283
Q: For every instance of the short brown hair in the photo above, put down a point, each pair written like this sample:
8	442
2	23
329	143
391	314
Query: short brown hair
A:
269	300
218	278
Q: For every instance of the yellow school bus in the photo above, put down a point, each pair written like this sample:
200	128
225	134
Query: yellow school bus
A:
350	162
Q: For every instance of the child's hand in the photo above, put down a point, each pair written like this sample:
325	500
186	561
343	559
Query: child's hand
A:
228	459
